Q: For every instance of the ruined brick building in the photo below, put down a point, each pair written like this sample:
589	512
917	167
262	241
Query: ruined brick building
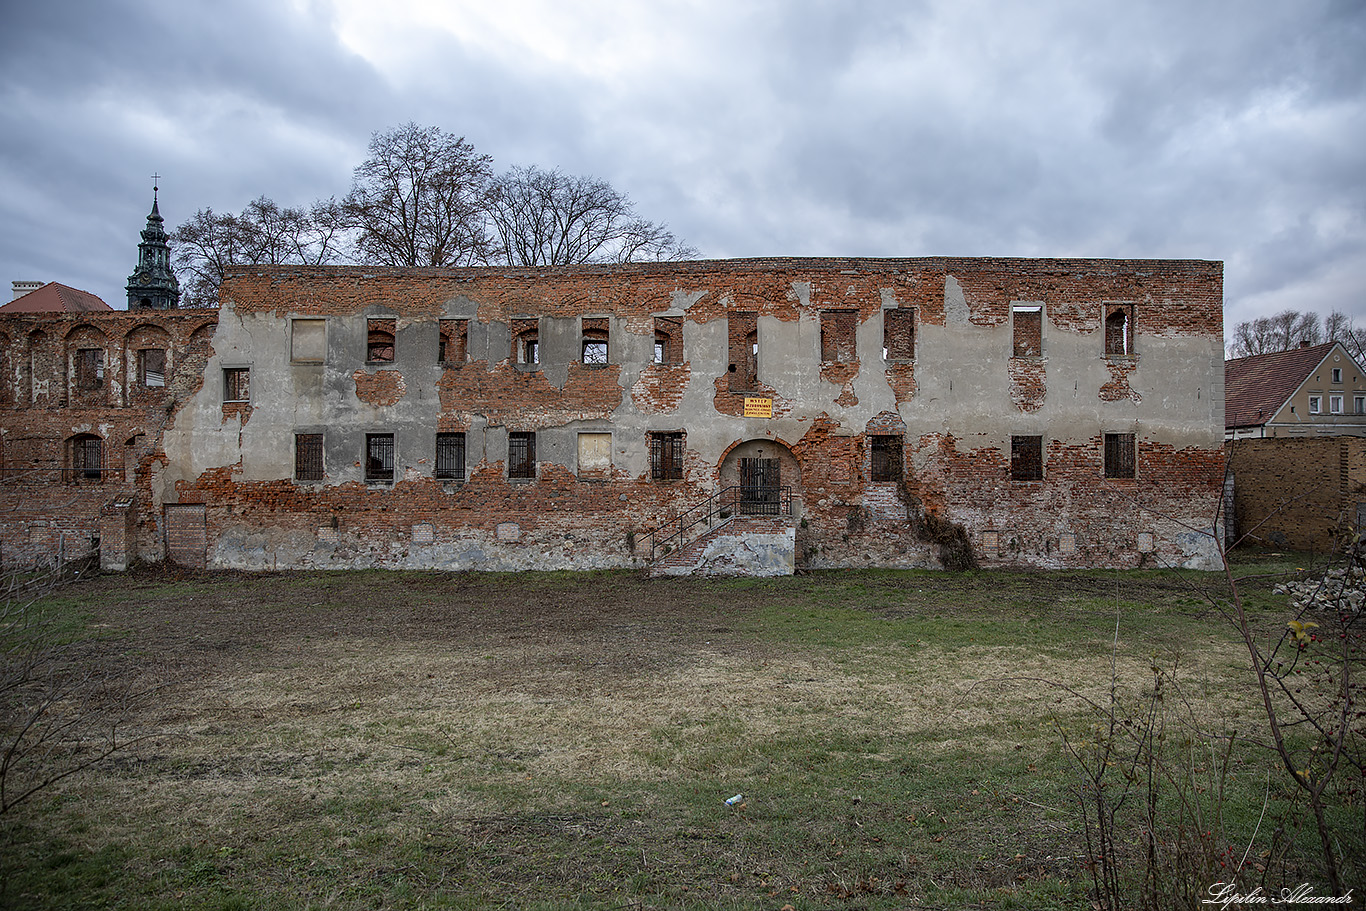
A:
828	412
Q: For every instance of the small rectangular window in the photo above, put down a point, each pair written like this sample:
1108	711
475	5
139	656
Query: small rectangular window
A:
379	457
236	384
1359	404
886	451
308	456
838	330
453	347
450	457
1119	455
1027	320
1335	404
595	454
666	456
1026	458
1119	331
668	340
87	458
379	341
526	341
152	367
521	454
90	368
1337	375
308	341
595	338
1315	404
898	335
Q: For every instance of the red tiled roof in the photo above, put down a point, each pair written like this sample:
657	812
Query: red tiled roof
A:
55	298
1256	387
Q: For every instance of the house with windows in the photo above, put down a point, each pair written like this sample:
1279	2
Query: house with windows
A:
752	416
1295	426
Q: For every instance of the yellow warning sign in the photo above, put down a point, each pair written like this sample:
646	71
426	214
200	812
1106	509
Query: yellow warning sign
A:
758	407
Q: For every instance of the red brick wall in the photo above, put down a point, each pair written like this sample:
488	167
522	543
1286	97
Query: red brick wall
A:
1297	494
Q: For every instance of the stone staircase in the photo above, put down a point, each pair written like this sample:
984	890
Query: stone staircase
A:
741	546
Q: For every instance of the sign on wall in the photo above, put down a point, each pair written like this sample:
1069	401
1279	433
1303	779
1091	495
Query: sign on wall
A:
757	407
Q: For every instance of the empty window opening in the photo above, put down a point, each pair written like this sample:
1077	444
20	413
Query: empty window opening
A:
668	340
1026	458
1119	455
450	456
308	341
744	352
379	457
666	456
1119	332
886	452
90	368
308	456
595	334
526	341
87	457
453	346
152	367
898	335
237	384
521	454
1028	329
595	454
379	341
838	328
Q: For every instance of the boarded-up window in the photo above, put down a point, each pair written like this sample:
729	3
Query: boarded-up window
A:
453	347
379	457
379	341
450	456
666	456
1119	332
521	454
595	453
1028	329
1026	458
236	384
308	341
152	367
668	340
595	338
743	371
838	328
308	456
898	334
90	368
886	452
1119	455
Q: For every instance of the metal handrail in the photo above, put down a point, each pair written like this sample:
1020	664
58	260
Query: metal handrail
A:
718	509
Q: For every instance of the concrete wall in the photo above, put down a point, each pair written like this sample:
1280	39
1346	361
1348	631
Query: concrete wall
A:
956	404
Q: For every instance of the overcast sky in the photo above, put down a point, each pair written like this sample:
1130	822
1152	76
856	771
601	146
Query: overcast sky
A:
1159	128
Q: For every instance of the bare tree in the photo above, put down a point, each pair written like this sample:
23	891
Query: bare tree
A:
1339	327
418	199
549	218
209	242
1266	334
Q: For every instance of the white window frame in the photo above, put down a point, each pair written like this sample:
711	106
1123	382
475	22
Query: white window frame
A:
1337	375
1335	404
1316	404
1359	403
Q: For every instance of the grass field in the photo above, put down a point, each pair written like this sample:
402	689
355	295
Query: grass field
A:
412	740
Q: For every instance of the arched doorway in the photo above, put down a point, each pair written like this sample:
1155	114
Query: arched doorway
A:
767	475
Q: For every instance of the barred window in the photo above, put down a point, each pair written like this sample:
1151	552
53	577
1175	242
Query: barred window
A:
450	456
236	384
666	456
87	457
1119	455
152	367
521	454
886	458
379	457
308	456
1026	458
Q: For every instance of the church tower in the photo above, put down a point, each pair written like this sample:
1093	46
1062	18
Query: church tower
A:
153	286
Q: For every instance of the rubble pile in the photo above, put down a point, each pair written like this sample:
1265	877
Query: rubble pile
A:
1341	589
